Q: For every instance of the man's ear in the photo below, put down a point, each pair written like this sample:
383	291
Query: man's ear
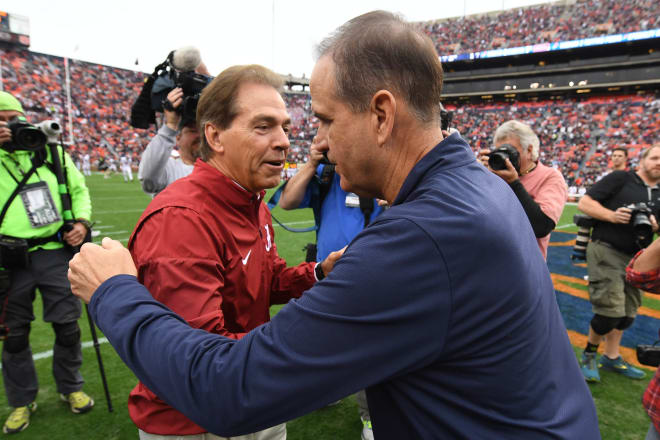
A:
383	110
213	137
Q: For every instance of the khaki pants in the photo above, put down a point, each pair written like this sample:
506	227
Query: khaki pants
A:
275	433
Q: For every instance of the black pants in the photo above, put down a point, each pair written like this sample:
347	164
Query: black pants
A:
47	271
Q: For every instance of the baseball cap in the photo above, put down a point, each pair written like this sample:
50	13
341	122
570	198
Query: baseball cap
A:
8	102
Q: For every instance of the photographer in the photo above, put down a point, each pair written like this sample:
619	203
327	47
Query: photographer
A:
34	254
613	242
157	168
643	272
541	190
339	216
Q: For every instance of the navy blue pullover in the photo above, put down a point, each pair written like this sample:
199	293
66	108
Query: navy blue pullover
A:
442	308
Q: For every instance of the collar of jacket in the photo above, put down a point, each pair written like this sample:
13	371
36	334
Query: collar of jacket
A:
452	152
231	190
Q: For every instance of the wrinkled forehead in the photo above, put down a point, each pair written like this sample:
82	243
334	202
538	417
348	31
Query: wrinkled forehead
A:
255	100
322	81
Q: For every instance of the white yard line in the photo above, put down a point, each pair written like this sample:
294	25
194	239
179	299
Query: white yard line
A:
49	353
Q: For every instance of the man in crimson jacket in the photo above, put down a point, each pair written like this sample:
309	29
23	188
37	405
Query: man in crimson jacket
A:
205	245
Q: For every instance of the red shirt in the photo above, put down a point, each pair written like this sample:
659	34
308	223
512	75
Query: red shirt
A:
650	282
205	248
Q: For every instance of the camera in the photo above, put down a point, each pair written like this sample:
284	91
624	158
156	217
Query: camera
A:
497	158
649	354
167	76
24	136
52	129
446	117
584	224
641	223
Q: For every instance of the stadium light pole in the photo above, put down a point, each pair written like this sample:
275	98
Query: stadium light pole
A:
68	98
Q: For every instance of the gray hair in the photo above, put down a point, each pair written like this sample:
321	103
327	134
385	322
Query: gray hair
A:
520	131
380	51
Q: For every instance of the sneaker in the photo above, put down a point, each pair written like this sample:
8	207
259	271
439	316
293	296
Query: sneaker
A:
78	401
620	366
589	367
19	419
367	431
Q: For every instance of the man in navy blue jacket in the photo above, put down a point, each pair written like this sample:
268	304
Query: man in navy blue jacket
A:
442	308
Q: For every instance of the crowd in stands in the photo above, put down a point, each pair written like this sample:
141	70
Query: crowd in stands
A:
303	125
546	23
576	135
101	97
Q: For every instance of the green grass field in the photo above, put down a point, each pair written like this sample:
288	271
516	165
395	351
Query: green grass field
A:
116	207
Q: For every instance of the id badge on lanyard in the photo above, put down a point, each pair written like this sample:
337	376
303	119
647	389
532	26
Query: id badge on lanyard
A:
352	200
39	205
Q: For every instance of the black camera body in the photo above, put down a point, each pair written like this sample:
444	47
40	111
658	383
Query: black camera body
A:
497	158
153	96
191	84
649	354
446	117
24	136
640	219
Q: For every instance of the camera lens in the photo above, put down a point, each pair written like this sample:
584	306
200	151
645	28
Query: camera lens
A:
497	160
642	228
30	138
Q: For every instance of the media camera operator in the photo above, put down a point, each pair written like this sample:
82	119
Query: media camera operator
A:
36	238
157	168
624	203
541	190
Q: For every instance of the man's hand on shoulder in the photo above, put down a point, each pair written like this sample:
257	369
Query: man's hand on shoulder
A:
95	264
329	262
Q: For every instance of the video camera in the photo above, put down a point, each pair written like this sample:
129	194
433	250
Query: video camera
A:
497	158
178	70
29	137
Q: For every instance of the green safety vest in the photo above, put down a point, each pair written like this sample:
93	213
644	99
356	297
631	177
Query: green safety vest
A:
16	222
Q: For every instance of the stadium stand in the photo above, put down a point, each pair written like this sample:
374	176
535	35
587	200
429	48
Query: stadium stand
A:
546	23
101	97
576	136
577	132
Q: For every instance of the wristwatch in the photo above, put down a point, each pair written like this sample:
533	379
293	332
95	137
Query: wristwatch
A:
319	272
